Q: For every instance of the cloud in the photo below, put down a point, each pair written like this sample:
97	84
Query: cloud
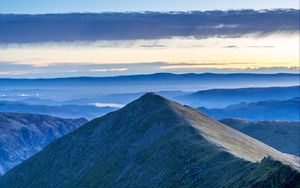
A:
261	46
279	69
153	46
113	105
263	70
109	70
17	70
11	73
147	25
231	46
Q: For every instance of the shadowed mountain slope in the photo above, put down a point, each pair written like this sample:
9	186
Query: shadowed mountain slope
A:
154	142
281	135
23	135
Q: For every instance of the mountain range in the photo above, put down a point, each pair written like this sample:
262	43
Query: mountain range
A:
155	142
220	98
64	111
60	88
23	135
279	110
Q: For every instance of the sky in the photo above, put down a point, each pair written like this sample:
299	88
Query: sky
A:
64	6
124	44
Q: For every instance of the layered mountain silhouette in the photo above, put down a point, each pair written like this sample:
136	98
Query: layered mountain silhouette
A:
63	111
23	135
220	98
60	88
274	110
154	142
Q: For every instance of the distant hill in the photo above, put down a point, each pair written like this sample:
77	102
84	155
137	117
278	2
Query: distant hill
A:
23	135
219	98
281	135
64	111
154	142
281	110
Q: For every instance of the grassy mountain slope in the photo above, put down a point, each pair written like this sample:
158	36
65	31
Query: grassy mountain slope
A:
154	142
23	135
281	135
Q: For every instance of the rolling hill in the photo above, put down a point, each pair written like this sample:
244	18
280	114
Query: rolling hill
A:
23	135
154	142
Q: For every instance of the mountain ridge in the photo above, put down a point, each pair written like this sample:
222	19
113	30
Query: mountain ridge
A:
154	142
22	135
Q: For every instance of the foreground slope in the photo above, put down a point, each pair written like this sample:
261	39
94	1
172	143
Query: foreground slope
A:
154	142
281	135
23	135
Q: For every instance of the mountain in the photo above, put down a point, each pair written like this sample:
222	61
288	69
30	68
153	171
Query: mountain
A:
281	135
64	111
219	98
23	135
154	142
281	110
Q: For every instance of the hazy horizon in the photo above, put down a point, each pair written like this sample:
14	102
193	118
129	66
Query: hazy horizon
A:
155	73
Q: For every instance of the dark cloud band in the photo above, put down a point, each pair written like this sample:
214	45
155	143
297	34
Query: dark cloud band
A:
147	25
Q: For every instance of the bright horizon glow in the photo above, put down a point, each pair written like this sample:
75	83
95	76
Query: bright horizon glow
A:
246	52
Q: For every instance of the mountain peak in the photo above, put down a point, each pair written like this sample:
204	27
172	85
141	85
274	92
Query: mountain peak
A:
229	139
149	101
154	142
152	96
